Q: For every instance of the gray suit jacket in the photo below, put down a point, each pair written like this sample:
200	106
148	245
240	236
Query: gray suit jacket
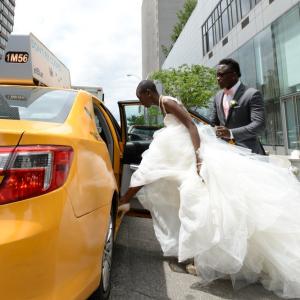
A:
246	120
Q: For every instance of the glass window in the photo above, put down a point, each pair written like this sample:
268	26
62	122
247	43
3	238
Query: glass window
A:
210	39
269	67
38	104
253	3
292	106
273	134
287	43
223	5
142	123
259	70
267	83
114	122
223	18
216	13
297	112
279	138
218	30
247	66
267	78
245	7
209	22
234	14
104	131
225	23
205	43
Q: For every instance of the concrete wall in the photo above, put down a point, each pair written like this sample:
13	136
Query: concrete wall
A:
158	20
167	18
150	55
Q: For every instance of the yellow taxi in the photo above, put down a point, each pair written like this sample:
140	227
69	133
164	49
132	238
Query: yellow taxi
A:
64	161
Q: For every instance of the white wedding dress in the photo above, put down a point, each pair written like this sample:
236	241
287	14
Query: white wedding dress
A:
242	221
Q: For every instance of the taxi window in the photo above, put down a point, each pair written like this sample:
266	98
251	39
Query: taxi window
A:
141	123
37	104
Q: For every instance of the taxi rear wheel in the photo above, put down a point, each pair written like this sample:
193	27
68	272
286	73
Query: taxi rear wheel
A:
103	291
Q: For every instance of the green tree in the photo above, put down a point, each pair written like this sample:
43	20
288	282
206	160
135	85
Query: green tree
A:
136	120
194	85
155	116
183	15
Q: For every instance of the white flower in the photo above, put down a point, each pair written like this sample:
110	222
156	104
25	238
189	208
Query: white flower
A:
233	103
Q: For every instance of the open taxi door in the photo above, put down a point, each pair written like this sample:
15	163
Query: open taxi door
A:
138	125
137	128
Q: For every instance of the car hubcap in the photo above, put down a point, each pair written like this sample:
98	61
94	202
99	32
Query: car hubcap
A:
107	257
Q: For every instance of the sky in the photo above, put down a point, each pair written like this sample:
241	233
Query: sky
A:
98	40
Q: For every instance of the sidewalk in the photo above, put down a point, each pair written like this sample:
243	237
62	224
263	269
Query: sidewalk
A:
141	272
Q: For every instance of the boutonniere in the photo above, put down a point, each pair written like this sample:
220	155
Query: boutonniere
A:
233	103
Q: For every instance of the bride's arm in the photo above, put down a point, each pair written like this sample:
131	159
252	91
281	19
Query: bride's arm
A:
183	116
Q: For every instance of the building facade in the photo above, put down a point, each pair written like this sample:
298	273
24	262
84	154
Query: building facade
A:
158	20
7	12
264	37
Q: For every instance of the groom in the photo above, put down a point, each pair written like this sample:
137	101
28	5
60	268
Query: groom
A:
238	111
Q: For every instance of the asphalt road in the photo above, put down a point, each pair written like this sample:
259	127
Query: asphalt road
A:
141	272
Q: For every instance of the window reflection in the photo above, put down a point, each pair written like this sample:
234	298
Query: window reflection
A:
247	66
292	106
263	75
267	77
245	7
287	40
234	12
141	123
225	22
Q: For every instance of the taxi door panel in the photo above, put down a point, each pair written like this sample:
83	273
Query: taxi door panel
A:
137	129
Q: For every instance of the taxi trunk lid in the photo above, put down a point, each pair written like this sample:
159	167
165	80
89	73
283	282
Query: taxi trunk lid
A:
10	134
11	131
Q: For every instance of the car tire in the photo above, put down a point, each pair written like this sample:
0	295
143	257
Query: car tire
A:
103	291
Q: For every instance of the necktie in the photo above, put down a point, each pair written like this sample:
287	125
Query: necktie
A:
227	94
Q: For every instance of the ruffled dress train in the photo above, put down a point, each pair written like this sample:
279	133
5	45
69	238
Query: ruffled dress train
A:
241	220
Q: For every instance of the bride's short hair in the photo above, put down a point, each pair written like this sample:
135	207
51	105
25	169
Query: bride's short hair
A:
146	85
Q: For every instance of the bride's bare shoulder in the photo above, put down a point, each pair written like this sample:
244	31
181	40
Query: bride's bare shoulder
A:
168	100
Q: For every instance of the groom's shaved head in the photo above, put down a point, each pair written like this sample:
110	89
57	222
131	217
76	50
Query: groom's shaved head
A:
146	85
232	64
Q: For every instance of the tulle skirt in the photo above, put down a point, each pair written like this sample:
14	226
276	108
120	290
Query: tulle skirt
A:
240	218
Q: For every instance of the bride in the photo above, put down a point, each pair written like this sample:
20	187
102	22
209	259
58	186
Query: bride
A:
235	213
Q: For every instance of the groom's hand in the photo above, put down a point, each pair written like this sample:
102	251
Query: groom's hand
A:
222	132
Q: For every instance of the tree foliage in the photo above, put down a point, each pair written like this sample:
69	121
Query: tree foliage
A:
194	85
183	16
153	118
136	120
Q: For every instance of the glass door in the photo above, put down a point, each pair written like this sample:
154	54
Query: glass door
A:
291	107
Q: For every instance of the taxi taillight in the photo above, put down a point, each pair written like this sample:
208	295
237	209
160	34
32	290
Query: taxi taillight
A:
30	171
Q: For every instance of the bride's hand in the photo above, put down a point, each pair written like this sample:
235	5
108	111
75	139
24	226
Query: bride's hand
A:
199	163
